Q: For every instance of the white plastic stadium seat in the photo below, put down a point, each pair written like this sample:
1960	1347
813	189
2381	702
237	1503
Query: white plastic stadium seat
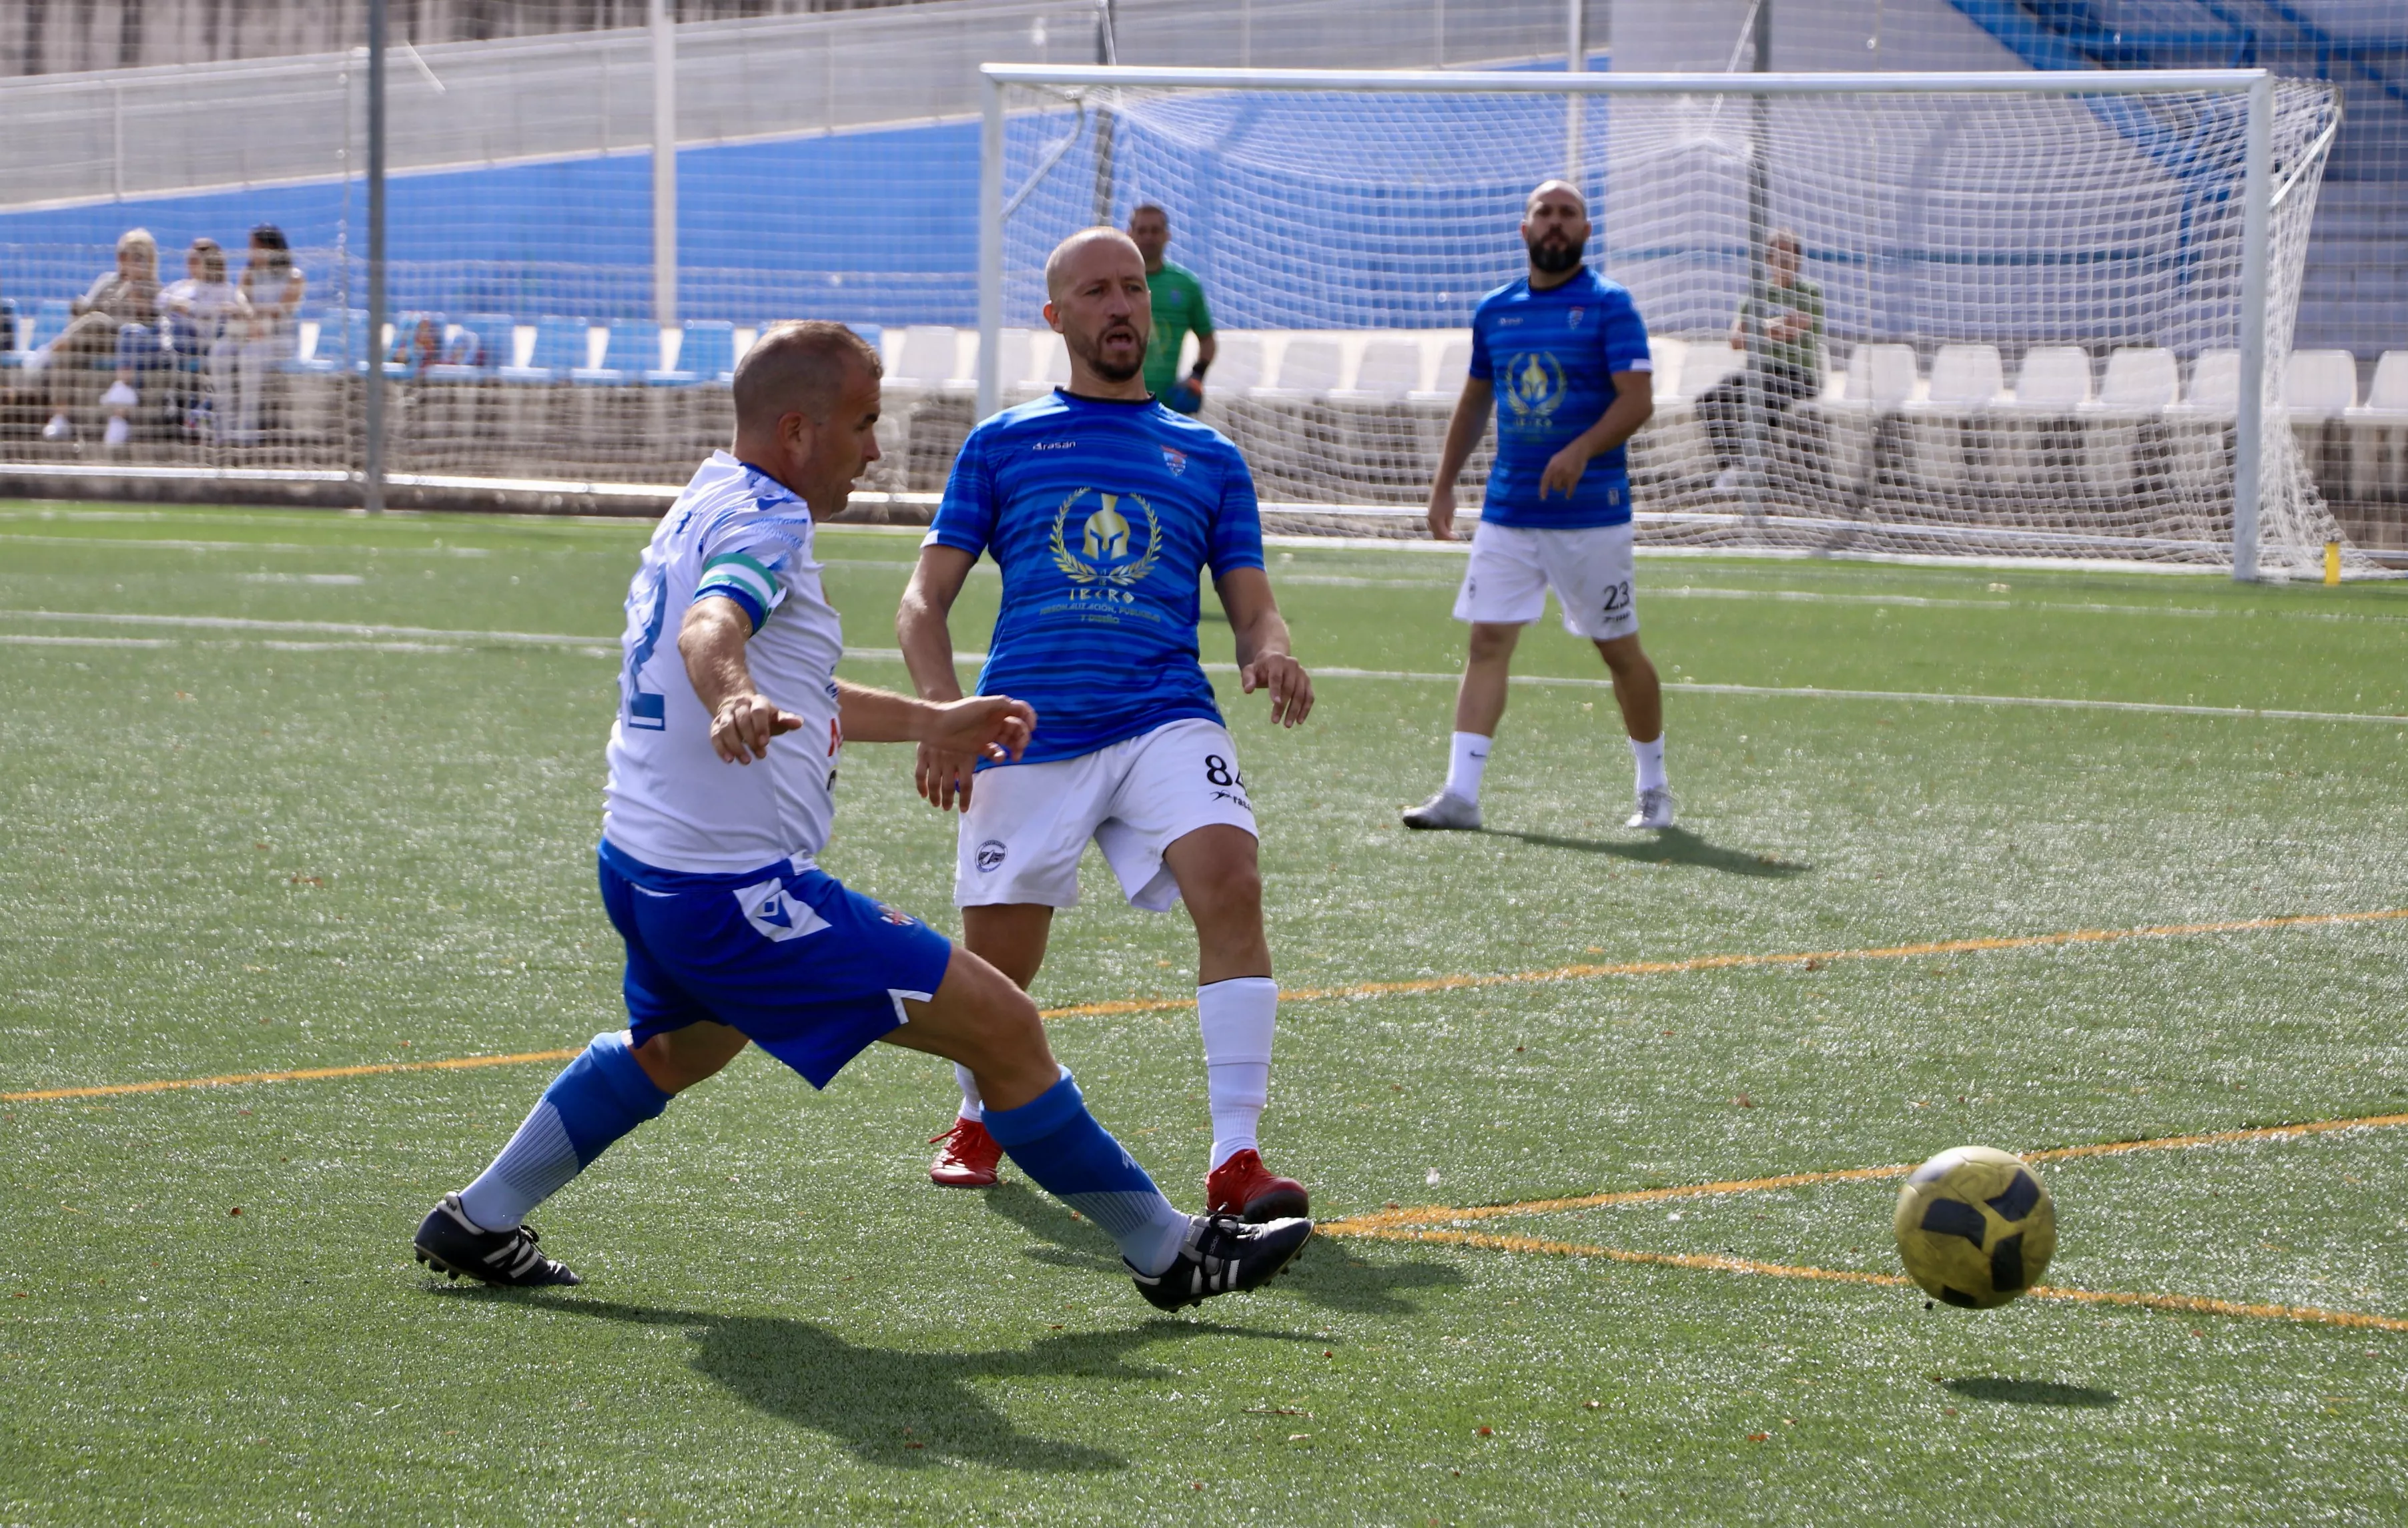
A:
1881	376
1666	353
1390	367
1236	366
2320	384
1048	362
924	358
1309	366
1012	350
1454	367
2141	378
1703	367
1966	377
2214	383
2054	377
2387	396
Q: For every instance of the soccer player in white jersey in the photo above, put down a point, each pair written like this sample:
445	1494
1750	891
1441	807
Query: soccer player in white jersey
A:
723	766
1102	508
1562	357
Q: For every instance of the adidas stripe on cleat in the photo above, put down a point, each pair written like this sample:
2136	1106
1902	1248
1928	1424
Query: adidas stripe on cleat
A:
449	1242
1223	1255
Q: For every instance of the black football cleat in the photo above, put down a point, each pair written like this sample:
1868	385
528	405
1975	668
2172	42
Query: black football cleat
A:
449	1242
1223	1255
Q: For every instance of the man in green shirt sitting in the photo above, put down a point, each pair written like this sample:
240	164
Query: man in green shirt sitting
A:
1178	307
1780	326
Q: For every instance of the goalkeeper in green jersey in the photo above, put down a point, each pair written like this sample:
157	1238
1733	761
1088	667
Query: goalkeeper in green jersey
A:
1178	308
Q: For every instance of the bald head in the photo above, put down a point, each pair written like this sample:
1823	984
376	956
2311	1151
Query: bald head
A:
1546	191
798	368
1089	253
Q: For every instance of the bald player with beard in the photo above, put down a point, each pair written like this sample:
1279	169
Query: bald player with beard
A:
1103	508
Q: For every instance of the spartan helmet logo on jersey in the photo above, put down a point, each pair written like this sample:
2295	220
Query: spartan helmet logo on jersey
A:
1534	386
1107	539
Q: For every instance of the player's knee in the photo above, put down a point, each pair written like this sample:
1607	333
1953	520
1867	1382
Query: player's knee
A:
1493	644
1225	894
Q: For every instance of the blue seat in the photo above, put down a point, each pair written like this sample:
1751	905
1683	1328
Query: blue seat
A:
51	316
489	340
632	348
708	354
559	348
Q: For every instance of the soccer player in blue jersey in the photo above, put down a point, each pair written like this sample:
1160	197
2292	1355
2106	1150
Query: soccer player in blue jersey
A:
1102	508
1561	356
723	765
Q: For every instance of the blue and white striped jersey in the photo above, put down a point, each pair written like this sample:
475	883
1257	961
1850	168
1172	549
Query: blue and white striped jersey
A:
1552	356
671	802
1102	516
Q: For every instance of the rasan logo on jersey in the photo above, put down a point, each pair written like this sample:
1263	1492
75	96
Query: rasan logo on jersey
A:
1105	544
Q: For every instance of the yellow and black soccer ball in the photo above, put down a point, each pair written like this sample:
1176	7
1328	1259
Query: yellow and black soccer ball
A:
1975	1227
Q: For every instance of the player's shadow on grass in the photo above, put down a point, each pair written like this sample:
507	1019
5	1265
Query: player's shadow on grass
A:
898	1406
1670	846
2031	1391
1328	1274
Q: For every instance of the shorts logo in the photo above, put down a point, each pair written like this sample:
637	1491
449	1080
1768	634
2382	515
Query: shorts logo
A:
1175	459
776	916
990	855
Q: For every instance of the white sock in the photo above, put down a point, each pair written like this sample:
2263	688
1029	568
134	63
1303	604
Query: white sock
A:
973	1106
118	433
1468	760
1649	756
1236	1017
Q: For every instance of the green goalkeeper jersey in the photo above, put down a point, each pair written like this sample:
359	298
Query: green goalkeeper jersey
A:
1178	307
1768	303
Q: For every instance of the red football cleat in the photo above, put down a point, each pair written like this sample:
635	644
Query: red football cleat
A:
1243	1187
969	1158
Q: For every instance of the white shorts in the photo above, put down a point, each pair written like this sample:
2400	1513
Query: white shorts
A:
1028	823
1512	567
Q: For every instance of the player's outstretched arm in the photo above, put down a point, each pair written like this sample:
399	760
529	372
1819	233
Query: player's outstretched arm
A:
922	631
992	727
1264	662
1468	422
711	641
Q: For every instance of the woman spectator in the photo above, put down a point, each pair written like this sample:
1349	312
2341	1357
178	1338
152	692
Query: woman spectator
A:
202	316
117	317
271	290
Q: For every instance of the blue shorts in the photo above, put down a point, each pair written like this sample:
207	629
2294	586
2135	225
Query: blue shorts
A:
805	969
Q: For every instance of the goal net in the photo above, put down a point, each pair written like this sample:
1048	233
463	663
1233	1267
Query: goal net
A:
2006	315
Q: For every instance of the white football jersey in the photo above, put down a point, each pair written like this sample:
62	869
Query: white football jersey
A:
671	802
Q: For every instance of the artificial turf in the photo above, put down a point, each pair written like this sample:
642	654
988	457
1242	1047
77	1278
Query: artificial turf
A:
358	832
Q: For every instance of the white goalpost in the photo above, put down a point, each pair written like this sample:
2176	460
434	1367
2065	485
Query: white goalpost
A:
2054	308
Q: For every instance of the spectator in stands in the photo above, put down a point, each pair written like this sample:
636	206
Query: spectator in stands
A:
115	319
1178	307
1780	326
202	318
421	348
272	290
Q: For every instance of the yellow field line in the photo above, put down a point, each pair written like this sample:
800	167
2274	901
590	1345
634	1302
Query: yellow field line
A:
314	1074
1375	989
2193	1305
1378	1221
1726	963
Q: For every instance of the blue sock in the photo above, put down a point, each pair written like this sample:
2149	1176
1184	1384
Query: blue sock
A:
1057	1143
597	1098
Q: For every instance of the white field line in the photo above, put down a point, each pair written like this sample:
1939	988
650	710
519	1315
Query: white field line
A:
599	647
23	639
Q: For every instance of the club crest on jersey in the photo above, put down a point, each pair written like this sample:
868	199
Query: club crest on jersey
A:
1104	543
1577	314
1535	389
1175	459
